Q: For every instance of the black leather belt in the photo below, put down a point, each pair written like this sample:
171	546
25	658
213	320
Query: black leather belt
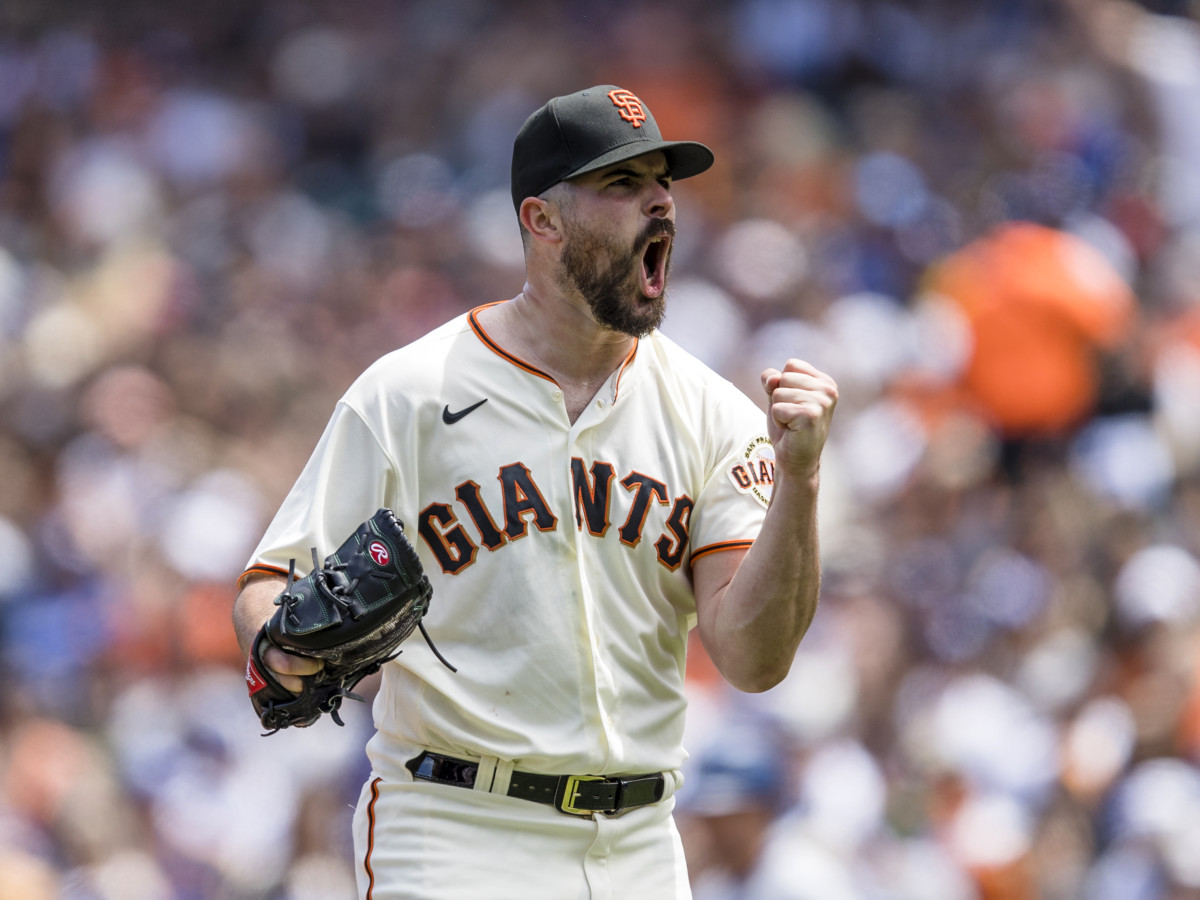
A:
575	795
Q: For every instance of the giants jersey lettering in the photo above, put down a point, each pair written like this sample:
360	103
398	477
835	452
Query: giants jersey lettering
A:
559	553
455	544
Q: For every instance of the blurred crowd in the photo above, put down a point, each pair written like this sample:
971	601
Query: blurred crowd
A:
983	219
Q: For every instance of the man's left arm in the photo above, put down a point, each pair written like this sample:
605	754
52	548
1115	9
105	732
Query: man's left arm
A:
754	606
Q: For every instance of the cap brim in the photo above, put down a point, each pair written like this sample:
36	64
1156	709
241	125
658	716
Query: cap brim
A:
684	158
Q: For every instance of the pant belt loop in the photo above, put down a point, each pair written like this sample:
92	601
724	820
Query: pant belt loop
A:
503	777
485	773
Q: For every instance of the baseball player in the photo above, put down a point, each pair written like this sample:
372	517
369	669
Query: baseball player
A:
581	493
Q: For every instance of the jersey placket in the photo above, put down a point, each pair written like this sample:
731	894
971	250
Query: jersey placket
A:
604	683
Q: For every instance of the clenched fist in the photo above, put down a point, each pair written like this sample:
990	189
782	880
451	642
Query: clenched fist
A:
801	400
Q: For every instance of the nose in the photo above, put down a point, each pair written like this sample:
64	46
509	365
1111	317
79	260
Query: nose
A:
659	203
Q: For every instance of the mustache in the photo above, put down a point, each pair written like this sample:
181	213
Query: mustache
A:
657	228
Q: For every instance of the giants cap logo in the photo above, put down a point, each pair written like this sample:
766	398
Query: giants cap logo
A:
630	107
379	553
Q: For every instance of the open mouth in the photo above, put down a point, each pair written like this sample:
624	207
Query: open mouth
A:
654	265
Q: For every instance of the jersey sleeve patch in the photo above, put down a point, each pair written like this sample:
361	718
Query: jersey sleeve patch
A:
753	470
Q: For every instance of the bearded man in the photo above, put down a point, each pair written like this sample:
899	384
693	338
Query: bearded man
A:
582	494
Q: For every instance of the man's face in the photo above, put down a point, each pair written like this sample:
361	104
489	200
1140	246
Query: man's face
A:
616	251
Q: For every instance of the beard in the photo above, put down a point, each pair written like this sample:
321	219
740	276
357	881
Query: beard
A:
608	277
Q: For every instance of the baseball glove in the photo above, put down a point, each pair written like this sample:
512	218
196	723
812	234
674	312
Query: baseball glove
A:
352	613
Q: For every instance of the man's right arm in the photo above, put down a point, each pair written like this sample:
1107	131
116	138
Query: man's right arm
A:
348	445
251	610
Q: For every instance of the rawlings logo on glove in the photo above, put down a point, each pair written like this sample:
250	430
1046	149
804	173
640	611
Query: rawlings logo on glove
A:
352	613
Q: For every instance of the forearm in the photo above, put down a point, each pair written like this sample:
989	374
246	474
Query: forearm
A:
253	606
251	610
752	627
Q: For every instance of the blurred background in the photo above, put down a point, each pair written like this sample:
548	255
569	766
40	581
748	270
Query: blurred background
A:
983	219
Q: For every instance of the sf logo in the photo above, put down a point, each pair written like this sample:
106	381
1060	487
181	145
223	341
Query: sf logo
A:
629	106
379	553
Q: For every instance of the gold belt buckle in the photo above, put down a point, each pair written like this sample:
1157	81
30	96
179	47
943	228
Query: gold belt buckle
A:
571	794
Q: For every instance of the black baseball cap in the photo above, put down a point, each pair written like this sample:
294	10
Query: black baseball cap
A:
588	130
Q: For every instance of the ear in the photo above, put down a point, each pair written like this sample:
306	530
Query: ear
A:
541	219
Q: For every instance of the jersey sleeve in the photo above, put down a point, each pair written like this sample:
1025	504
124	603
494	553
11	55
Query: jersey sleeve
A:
323	506
730	509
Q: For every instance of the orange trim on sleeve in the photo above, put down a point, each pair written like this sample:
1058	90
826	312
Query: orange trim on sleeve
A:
259	570
719	548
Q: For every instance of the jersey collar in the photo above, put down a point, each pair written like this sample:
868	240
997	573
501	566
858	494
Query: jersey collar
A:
480	332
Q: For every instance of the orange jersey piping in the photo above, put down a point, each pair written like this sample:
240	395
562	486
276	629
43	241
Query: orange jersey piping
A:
473	320
371	837
720	547
624	366
259	569
477	327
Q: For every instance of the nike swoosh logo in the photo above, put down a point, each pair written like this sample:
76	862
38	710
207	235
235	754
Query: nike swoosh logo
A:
451	417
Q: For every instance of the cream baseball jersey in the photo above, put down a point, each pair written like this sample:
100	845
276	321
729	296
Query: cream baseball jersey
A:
559	552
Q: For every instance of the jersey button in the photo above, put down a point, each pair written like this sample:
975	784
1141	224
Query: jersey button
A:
557	395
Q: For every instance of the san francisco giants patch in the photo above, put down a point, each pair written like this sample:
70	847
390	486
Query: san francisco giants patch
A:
754	473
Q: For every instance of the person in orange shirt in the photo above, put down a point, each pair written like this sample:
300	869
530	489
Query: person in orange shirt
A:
1043	306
